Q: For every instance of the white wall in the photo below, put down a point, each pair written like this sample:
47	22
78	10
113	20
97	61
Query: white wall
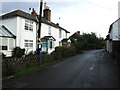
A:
114	32
16	26
25	34
54	33
10	24
10	43
109	46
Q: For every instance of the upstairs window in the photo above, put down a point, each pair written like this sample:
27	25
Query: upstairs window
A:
49	30
28	25
60	33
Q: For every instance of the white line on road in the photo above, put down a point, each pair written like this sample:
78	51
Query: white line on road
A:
91	68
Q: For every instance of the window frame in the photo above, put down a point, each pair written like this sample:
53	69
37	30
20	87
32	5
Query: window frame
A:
28	25
49	30
28	43
60	33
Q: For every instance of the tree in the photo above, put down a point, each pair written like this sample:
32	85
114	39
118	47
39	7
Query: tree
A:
88	41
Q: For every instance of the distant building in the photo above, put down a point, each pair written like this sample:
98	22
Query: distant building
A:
66	42
75	36
108	47
25	26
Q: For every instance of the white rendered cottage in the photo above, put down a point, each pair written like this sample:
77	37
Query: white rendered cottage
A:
25	26
113	38
51	34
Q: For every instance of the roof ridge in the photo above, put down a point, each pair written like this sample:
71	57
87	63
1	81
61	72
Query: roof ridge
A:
26	15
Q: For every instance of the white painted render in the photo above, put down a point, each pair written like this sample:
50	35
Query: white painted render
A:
10	24
115	32
10	47
108	46
54	33
23	34
16	26
114	35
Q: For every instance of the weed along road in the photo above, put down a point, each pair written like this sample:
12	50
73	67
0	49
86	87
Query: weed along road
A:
91	69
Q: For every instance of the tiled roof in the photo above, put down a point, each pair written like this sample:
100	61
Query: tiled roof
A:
19	13
75	36
4	32
31	17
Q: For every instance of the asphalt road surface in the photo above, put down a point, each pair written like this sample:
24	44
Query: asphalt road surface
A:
92	69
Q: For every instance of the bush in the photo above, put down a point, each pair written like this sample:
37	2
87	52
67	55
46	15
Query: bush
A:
2	55
18	52
64	51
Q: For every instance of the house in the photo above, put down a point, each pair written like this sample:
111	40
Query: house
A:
25	27
66	42
7	41
75	36
113	39
51	33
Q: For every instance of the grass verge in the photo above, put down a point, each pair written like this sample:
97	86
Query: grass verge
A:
33	69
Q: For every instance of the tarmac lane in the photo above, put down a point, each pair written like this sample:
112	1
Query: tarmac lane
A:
91	69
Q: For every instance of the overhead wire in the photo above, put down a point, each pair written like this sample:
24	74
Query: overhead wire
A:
100	6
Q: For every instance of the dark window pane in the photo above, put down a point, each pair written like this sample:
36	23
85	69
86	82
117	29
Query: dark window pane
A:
51	44
4	47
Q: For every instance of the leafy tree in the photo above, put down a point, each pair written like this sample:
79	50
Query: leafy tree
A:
88	41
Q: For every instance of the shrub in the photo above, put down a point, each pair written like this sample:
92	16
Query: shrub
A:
18	52
2	55
64	51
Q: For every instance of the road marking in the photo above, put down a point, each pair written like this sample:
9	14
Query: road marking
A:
10	77
91	68
22	85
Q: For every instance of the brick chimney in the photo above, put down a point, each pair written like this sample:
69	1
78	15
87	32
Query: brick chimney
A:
47	12
33	12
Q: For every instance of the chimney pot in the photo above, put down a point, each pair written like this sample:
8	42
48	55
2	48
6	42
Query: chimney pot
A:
33	12
57	24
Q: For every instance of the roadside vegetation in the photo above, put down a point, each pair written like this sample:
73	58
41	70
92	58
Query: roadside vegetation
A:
88	42
18	65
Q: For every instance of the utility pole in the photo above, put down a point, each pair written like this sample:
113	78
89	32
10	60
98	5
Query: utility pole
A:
39	28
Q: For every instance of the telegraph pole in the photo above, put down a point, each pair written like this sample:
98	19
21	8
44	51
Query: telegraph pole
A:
39	28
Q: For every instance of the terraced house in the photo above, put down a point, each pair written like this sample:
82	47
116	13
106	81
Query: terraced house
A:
113	39
24	27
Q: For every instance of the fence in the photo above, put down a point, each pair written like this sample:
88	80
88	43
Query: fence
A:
116	51
12	65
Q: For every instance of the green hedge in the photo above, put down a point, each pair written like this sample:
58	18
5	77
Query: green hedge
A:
62	52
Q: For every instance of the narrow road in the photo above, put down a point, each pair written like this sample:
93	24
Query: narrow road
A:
92	69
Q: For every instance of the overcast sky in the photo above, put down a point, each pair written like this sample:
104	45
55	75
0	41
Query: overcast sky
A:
75	15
